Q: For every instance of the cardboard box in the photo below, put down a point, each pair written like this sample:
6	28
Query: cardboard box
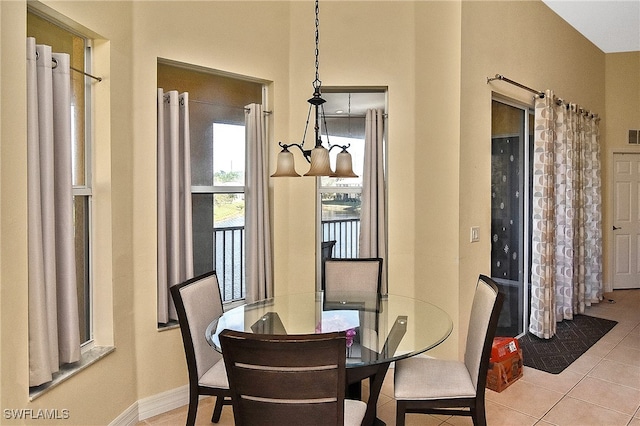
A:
503	347
505	365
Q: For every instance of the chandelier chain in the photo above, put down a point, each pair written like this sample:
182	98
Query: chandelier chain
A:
317	83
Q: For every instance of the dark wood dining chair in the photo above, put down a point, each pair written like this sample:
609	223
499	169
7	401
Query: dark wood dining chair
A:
451	387
198	303
289	379
326	248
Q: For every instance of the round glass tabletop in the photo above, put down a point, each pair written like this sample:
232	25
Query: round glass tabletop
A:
380	328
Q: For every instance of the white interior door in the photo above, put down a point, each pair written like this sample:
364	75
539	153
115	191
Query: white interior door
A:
626	221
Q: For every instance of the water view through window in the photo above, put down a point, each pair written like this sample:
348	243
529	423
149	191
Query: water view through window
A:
228	207
341	200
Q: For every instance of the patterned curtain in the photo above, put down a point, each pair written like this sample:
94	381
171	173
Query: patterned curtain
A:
567	219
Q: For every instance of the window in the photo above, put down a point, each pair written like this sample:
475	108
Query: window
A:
228	208
79	48
339	199
217	130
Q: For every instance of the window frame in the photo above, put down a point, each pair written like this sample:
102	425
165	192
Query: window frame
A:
525	272
86	190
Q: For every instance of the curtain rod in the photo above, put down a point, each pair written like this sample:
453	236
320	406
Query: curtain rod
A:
55	64
385	115
515	83
87	74
541	94
197	101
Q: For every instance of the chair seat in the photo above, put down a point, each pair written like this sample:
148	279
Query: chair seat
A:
423	378
435	386
354	412
215	377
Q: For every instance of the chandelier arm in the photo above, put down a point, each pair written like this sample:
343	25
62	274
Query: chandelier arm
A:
344	147
306	153
326	129
306	125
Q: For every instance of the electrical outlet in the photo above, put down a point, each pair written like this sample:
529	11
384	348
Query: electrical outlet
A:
475	234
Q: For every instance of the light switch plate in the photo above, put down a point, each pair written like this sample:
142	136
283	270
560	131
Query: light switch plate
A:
475	234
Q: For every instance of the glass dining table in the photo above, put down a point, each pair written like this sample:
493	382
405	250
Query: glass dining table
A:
380	329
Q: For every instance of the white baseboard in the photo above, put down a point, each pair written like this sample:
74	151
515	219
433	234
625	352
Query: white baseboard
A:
163	402
158	404
128	418
152	406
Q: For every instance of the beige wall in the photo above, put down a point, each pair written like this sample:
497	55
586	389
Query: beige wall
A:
500	38
224	42
13	204
435	188
434	58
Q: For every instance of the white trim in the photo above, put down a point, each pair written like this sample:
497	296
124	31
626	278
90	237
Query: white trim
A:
163	402
129	417
607	286
158	404
152	406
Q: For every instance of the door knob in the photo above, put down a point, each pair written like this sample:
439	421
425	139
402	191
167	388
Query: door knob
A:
615	228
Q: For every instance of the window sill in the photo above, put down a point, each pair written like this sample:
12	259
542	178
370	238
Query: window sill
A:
168	326
68	370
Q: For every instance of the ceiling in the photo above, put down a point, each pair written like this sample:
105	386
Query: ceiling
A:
612	25
355	103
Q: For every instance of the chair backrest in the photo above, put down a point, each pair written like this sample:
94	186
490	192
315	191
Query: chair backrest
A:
285	379
327	249
483	321
359	274
198	303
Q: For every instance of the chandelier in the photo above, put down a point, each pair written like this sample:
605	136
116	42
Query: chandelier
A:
318	157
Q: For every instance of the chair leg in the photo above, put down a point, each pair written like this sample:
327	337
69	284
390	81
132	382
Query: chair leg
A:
400	413
193	408
478	415
217	410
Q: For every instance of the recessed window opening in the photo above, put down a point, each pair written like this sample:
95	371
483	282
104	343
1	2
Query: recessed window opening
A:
217	114
63	40
340	199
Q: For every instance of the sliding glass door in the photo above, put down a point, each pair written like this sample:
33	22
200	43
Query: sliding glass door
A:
511	145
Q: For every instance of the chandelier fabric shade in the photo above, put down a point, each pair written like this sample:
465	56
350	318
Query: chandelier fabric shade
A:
318	157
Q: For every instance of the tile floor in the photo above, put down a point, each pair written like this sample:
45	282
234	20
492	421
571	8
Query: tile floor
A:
601	388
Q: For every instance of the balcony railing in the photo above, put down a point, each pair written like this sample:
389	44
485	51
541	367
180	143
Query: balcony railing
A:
346	233
230	252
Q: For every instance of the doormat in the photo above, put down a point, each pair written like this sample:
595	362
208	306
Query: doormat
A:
572	339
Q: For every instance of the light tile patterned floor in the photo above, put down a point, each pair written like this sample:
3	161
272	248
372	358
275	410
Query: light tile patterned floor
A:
601	388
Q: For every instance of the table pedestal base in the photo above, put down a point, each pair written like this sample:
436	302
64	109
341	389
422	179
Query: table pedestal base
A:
375	374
